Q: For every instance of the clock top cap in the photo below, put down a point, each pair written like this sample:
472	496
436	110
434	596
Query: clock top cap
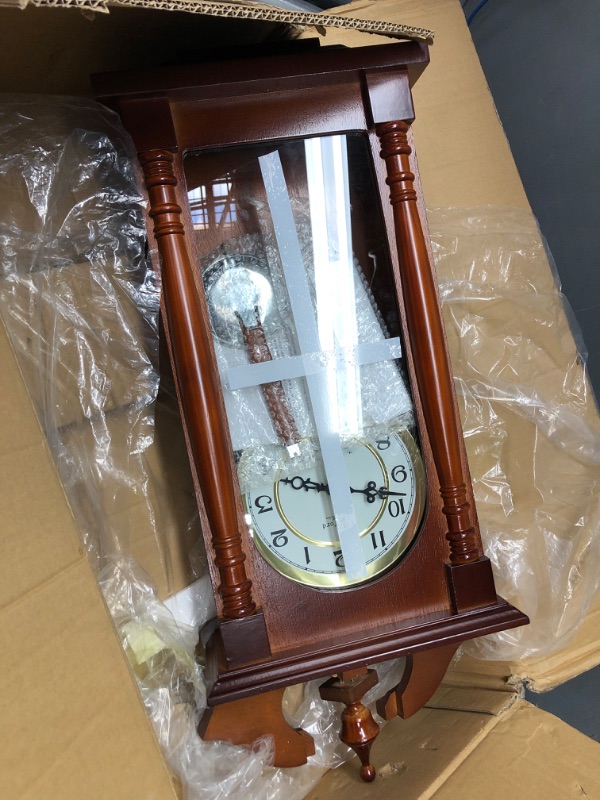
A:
302	62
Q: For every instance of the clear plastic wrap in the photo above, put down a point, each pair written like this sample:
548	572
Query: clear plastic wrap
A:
80	303
530	422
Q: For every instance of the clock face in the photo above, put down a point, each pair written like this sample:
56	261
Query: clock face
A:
292	521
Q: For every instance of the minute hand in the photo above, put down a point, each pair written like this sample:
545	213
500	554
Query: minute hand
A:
372	493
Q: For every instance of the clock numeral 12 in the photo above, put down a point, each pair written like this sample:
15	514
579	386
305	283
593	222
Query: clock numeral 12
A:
279	538
339	559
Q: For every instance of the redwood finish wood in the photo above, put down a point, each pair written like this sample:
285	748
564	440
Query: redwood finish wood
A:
244	640
368	646
274	632
471	588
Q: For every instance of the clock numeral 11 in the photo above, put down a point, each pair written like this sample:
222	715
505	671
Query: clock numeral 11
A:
377	541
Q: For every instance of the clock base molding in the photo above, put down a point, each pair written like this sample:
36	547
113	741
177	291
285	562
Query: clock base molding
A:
247	718
352	652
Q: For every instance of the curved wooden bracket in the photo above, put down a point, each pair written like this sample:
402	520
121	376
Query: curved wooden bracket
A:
244	721
424	672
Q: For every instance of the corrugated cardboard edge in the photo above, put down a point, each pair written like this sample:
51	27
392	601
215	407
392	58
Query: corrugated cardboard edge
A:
527	754
540	674
246	10
446	754
69	700
581	654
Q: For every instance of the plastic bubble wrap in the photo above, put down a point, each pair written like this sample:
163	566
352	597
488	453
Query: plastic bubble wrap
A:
80	304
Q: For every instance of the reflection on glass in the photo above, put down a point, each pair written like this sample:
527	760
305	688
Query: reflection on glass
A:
318	409
212	205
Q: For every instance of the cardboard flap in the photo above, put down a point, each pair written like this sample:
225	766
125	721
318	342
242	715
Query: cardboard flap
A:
475	699
528	754
71	716
244	9
522	754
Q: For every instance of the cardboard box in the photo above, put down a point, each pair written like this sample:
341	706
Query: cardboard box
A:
72	721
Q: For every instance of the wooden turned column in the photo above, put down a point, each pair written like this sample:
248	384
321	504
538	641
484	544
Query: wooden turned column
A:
198	389
427	339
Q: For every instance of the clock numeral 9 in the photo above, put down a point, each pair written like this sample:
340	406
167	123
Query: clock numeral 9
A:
263	503
279	538
339	559
399	473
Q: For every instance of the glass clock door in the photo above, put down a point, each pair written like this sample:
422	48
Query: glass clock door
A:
297	280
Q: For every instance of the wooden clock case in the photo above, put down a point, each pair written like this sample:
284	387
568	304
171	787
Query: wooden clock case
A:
273	632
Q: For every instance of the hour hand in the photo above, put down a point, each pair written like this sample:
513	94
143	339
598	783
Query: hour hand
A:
372	493
305	483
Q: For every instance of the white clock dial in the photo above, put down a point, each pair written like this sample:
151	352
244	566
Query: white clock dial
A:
292	520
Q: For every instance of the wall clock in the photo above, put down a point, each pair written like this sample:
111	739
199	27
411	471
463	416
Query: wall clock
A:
304	328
